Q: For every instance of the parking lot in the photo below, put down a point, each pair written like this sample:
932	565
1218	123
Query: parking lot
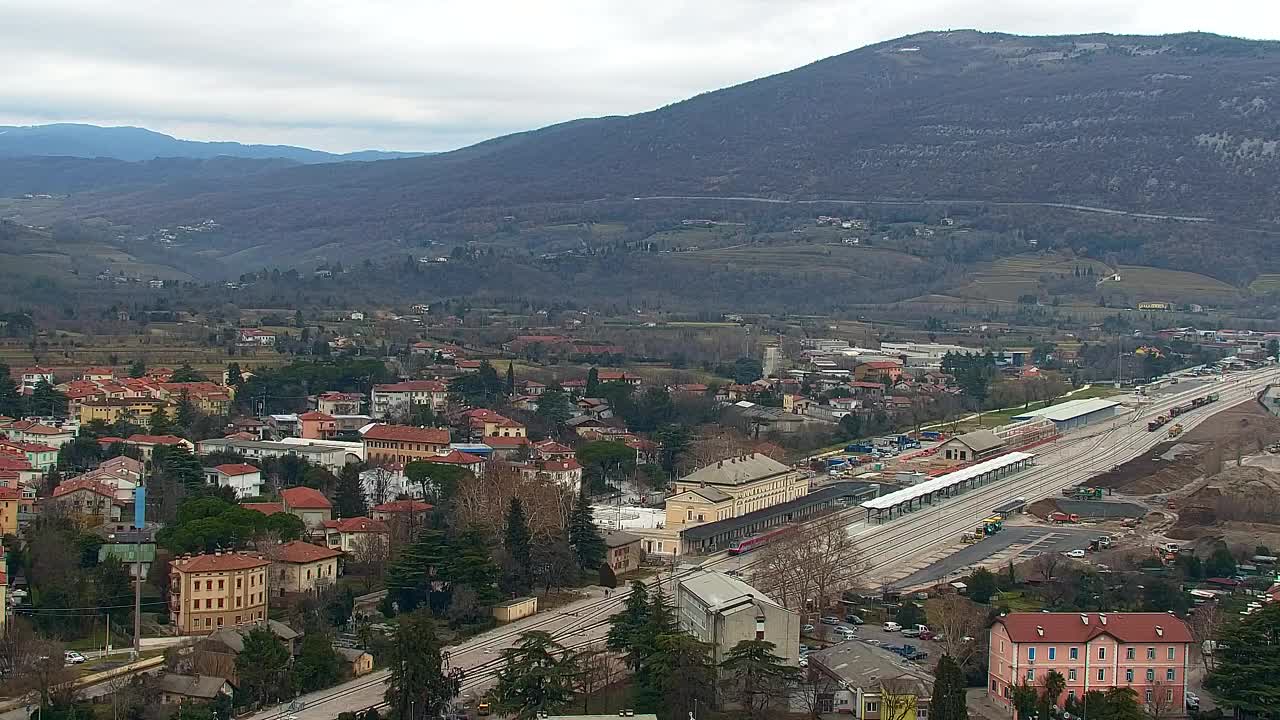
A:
1015	543
874	634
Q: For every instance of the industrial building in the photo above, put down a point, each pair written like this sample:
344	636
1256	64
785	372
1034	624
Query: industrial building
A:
1073	413
909	499
722	611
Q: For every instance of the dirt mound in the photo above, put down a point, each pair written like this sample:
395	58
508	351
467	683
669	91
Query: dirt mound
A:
1165	467
1237	495
1247	425
1043	508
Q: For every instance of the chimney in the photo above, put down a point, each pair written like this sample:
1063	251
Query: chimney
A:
1159	631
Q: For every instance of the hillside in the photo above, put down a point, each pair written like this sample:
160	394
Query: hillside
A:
1174	124
136	144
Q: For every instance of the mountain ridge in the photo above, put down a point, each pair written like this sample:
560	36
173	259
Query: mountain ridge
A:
135	144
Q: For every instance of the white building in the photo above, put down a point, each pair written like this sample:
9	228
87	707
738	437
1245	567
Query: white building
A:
245	479
400	398
722	611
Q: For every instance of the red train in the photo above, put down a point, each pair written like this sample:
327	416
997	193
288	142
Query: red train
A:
747	544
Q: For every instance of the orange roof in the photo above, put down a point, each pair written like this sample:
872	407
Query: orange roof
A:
28	447
305	498
12	461
36	428
413	386
266	508
506	442
218	562
155	440
881	364
560	465
315	415
236	469
406	433
8	493
403	506
1083	627
304	552
91	484
455	457
357	525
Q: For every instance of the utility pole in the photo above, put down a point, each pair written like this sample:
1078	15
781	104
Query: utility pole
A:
139	524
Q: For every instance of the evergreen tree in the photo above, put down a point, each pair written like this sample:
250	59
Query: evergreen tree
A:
948	701
409	578
10	400
584	536
235	376
317	666
626	627
1247	675
554	406
187	374
263	669
420	684
180	466
537	676
137	369
186	413
661	621
348	500
47	400
511	379
678	677
471	577
159	423
755	678
593	383
518	542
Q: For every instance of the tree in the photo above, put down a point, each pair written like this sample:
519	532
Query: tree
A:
1247	673
1273	348
597	669
948	702
593	383
348	501
1206	623
518	542
810	566
439	482
421	683
11	404
511	379
47	400
553	406
159	423
235	376
187	374
956	618
679	677
537	676
554	564
909	615
1025	699
584	536
1054	684
605	460
982	585
186	413
1221	562
626	627
755	678
673	440
137	369
317	666
747	370
263	669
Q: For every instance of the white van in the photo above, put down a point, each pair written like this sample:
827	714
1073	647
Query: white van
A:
892	627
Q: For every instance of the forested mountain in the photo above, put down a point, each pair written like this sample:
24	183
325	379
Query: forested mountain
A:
134	144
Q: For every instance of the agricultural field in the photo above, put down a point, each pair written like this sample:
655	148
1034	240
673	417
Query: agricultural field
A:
1265	283
837	259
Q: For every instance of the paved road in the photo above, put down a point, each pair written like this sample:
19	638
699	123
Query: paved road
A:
890	547
1013	543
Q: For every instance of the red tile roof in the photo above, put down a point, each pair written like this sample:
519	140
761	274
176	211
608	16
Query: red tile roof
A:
155	440
560	465
413	386
299	551
266	508
315	415
455	457
406	433
36	428
9	493
236	469
1082	627
9	461
881	364
305	498
28	447
357	525
506	442
92	485
218	563
403	506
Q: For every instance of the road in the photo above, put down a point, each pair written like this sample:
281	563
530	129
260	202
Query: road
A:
893	548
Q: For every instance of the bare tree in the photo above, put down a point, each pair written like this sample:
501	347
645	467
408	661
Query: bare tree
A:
369	556
377	485
808	568
956	618
1163	703
899	697
1206	627
816	693
599	669
1047	563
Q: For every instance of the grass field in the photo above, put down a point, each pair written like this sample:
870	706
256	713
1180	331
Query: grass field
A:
1265	283
840	259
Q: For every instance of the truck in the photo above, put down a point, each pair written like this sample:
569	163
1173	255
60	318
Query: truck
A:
859	448
1176	430
1061	517
930	435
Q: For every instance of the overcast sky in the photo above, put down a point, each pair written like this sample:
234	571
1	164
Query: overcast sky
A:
433	75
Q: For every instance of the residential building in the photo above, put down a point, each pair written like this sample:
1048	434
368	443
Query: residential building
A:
397	400
332	456
245	479
10	499
254	336
508	448
98	374
210	592
1147	652
300	566
340	403
33	432
485	423
40	456
732	487
412	512
146	444
29	378
624	553
175	689
316	425
355	534
359	662
881	371
92	500
870	683
308	505
722	611
209	398
403	443
135	549
552	450
565	473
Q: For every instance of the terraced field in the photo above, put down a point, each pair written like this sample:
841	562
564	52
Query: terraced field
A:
837	259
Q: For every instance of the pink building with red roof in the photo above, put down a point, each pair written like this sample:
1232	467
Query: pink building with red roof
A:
1148	652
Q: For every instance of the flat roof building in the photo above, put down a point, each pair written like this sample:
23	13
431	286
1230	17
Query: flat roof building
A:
1073	413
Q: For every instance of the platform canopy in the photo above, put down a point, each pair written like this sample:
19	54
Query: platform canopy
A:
942	482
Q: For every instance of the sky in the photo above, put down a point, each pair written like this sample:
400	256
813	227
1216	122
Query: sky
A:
430	75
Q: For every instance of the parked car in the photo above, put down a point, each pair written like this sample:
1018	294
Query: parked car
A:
806	628
72	657
804	661
1077	553
1193	701
830	620
891	627
847	633
853	619
910	632
803	648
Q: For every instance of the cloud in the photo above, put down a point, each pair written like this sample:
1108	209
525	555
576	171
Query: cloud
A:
429	75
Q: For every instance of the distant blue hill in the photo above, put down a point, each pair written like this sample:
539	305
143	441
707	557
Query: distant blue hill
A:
134	144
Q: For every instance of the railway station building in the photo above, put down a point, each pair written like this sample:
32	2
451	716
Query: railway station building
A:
910	499
1073	413
714	536
971	446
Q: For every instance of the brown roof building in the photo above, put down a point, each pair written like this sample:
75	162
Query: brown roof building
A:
299	566
403	443
224	589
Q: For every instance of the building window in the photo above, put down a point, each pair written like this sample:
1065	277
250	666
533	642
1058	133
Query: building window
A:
1053	653
1031	653
1168	695
1031	675
208	622
873	707
208	584
238	581
1169	675
1151	653
1071	675
219	621
1074	654
1102	653
237	619
1071	694
219	603
1151	675
222	584
1128	676
1128	653
1148	694
1171	652
208	604
1102	675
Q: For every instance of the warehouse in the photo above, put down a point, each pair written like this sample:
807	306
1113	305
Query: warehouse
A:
1074	413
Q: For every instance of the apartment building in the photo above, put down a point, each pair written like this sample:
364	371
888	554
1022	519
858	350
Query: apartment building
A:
396	399
225	589
403	444
1148	652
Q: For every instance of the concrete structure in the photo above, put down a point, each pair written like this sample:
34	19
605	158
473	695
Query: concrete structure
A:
403	443
245	479
865	677
209	592
722	611
398	399
623	551
771	363
971	446
1148	652
513	610
953	483
331	456
1073	413
299	566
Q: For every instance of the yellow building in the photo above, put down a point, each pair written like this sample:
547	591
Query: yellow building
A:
109	410
10	498
209	592
299	566
733	487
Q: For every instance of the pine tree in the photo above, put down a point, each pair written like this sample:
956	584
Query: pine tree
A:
186	413
137	369
159	424
47	400
348	500
625	627
10	400
584	536
518	542
756	678
553	405
661	621
593	383
235	376
537	677
948	691
511	379
421	683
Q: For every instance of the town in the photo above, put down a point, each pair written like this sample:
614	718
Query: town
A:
308	535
